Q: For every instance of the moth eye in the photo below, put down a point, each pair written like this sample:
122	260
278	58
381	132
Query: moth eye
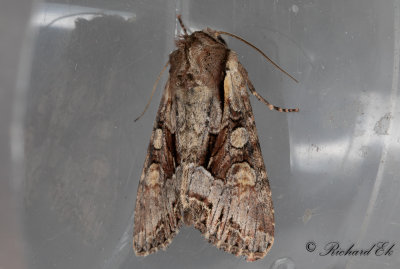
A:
190	76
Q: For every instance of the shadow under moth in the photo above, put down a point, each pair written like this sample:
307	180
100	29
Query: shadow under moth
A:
204	165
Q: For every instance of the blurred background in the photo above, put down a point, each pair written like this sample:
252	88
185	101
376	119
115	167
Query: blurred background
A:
75	74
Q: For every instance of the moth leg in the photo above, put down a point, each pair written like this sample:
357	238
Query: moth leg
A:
252	89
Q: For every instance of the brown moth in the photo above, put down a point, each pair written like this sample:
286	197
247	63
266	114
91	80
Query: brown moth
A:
204	165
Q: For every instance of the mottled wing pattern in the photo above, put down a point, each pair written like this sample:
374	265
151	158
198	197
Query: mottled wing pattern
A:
158	208
231	196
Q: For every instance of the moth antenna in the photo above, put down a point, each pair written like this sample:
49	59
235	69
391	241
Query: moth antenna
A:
153	91
179	17
259	97
260	51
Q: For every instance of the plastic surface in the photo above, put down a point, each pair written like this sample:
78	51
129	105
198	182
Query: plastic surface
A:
333	167
14	48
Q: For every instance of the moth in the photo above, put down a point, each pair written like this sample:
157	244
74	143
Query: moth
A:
204	165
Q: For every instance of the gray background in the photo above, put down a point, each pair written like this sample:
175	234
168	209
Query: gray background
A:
333	167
